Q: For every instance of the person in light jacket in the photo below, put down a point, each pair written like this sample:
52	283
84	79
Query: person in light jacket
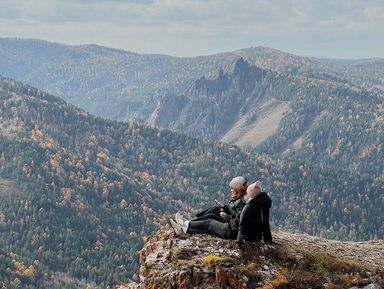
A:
224	213
222	221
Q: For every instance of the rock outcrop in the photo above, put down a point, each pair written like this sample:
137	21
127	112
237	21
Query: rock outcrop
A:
295	261
226	106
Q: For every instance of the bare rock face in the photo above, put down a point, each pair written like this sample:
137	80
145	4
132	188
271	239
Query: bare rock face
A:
211	107
295	261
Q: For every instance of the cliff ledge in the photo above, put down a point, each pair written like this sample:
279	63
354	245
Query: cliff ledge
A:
296	261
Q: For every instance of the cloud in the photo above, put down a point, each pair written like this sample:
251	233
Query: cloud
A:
186	27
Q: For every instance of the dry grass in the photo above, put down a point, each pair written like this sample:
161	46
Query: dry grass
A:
250	270
300	279
211	260
324	264
279	282
312	270
319	263
316	269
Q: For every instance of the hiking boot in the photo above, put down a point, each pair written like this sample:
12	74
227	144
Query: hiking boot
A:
179	219
177	229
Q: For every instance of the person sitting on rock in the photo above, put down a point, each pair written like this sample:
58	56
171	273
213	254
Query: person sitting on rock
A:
224	213
254	218
223	223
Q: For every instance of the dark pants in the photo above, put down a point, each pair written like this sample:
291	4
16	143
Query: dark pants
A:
210	213
209	226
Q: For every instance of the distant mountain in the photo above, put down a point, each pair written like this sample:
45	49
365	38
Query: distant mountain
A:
122	85
368	73
247	105
108	82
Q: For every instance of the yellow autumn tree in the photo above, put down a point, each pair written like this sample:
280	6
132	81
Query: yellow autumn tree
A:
1	217
29	272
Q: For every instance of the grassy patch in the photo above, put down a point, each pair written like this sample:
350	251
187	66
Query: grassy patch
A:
324	264
212	260
319	263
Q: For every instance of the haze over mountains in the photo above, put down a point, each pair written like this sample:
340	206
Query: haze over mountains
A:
78	192
122	85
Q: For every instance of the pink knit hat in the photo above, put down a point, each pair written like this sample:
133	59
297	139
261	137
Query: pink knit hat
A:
254	189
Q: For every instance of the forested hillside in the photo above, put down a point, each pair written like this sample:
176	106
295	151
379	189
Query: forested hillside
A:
78	193
363	72
122	85
89	189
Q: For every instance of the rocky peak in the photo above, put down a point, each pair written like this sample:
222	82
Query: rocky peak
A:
238	76
295	261
211	107
237	66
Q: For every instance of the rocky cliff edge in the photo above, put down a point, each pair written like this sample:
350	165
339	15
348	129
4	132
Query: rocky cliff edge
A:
295	261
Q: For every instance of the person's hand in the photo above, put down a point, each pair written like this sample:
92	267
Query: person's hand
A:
224	215
218	204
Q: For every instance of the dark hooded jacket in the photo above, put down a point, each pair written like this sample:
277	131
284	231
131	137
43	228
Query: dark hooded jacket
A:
254	220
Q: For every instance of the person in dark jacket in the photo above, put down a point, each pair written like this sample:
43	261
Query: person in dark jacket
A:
224	225
254	218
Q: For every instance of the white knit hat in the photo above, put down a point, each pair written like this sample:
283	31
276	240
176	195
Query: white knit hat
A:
237	182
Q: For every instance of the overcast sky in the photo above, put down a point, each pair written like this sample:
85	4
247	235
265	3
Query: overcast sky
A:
325	28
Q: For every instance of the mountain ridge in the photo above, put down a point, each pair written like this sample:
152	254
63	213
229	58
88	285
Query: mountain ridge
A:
258	47
248	105
124	86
